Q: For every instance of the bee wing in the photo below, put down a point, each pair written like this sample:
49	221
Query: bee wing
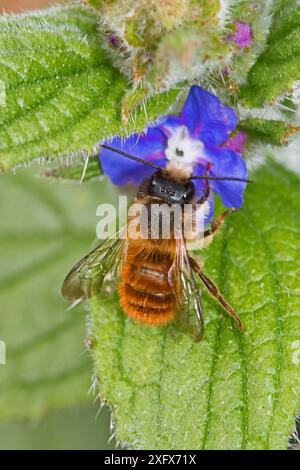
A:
88	275
190	310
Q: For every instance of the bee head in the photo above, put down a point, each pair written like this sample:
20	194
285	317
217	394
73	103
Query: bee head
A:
170	190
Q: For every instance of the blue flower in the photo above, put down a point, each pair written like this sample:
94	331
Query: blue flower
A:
198	138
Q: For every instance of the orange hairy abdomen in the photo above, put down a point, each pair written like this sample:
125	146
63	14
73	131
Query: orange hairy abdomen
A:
145	291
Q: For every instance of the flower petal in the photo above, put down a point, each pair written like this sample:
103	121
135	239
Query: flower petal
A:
210	214
227	163
168	124
121	170
200	187
207	118
237	142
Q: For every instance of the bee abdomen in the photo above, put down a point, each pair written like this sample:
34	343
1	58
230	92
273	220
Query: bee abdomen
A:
145	293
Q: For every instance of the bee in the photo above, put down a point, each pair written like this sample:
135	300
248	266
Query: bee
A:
156	277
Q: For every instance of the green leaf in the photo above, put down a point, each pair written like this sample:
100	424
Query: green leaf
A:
60	93
269	131
95	3
44	230
59	430
231	390
278	68
74	171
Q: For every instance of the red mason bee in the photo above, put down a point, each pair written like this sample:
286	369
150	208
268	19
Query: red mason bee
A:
156	277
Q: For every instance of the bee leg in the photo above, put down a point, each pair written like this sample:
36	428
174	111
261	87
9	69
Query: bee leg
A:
217	224
214	292
209	234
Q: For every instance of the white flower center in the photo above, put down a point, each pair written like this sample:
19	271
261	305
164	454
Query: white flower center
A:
182	148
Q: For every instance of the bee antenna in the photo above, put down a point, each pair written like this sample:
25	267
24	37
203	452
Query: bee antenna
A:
157	167
132	157
221	178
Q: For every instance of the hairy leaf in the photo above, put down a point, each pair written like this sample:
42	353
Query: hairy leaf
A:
278	68
232	390
75	171
43	232
59	93
269	131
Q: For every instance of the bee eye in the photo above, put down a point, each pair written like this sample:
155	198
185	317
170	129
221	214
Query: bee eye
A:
184	196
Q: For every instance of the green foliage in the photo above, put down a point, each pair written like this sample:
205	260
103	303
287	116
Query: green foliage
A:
232	390
278	68
183	52
74	171
94	3
272	132
74	428
258	16
62	94
44	230
158	44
